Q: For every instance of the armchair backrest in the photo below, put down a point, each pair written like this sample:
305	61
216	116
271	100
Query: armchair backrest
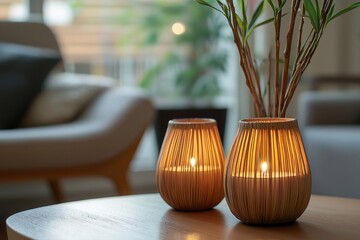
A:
337	81
35	34
329	108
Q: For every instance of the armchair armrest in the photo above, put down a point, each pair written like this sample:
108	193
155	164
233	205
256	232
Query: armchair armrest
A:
116	118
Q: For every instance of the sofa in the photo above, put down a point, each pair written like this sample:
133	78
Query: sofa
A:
330	126
55	124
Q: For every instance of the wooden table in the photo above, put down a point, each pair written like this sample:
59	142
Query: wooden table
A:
149	217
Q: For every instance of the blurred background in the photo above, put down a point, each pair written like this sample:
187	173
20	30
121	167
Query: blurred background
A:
169	50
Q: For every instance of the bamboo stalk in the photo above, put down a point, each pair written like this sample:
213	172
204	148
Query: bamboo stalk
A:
251	87
307	55
294	6
301	69
256	78
282	81
299	41
243	63
269	84
277	58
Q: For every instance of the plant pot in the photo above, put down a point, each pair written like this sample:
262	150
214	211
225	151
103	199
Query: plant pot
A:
267	178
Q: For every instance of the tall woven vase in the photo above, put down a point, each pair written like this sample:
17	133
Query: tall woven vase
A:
267	178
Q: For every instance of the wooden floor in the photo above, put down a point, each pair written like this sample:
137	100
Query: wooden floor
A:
16	197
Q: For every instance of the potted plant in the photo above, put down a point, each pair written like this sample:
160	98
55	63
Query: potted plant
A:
268	179
272	94
185	82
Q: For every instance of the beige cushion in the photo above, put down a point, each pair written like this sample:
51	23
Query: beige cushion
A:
64	99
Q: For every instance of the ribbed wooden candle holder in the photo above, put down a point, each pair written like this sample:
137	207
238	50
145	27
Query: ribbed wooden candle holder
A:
191	165
267	179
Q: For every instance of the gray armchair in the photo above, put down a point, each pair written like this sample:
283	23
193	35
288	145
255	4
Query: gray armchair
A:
100	142
330	125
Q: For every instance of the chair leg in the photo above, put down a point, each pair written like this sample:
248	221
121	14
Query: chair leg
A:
118	171
56	190
122	184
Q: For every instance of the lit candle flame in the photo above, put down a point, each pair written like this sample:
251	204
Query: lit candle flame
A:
192	162
264	167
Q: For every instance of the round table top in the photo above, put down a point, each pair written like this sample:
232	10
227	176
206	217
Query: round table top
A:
149	217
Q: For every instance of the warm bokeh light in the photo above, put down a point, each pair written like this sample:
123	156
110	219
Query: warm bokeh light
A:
178	28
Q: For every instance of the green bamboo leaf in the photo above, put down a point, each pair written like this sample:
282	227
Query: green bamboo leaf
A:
225	9
202	2
317	7
264	22
278	9
260	24
241	4
241	24
282	4
257	13
314	19
331	12
271	5
345	10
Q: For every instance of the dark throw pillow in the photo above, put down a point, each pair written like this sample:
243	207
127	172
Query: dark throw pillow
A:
23	70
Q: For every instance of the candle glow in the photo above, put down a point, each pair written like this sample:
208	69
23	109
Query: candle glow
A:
192	162
264	167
